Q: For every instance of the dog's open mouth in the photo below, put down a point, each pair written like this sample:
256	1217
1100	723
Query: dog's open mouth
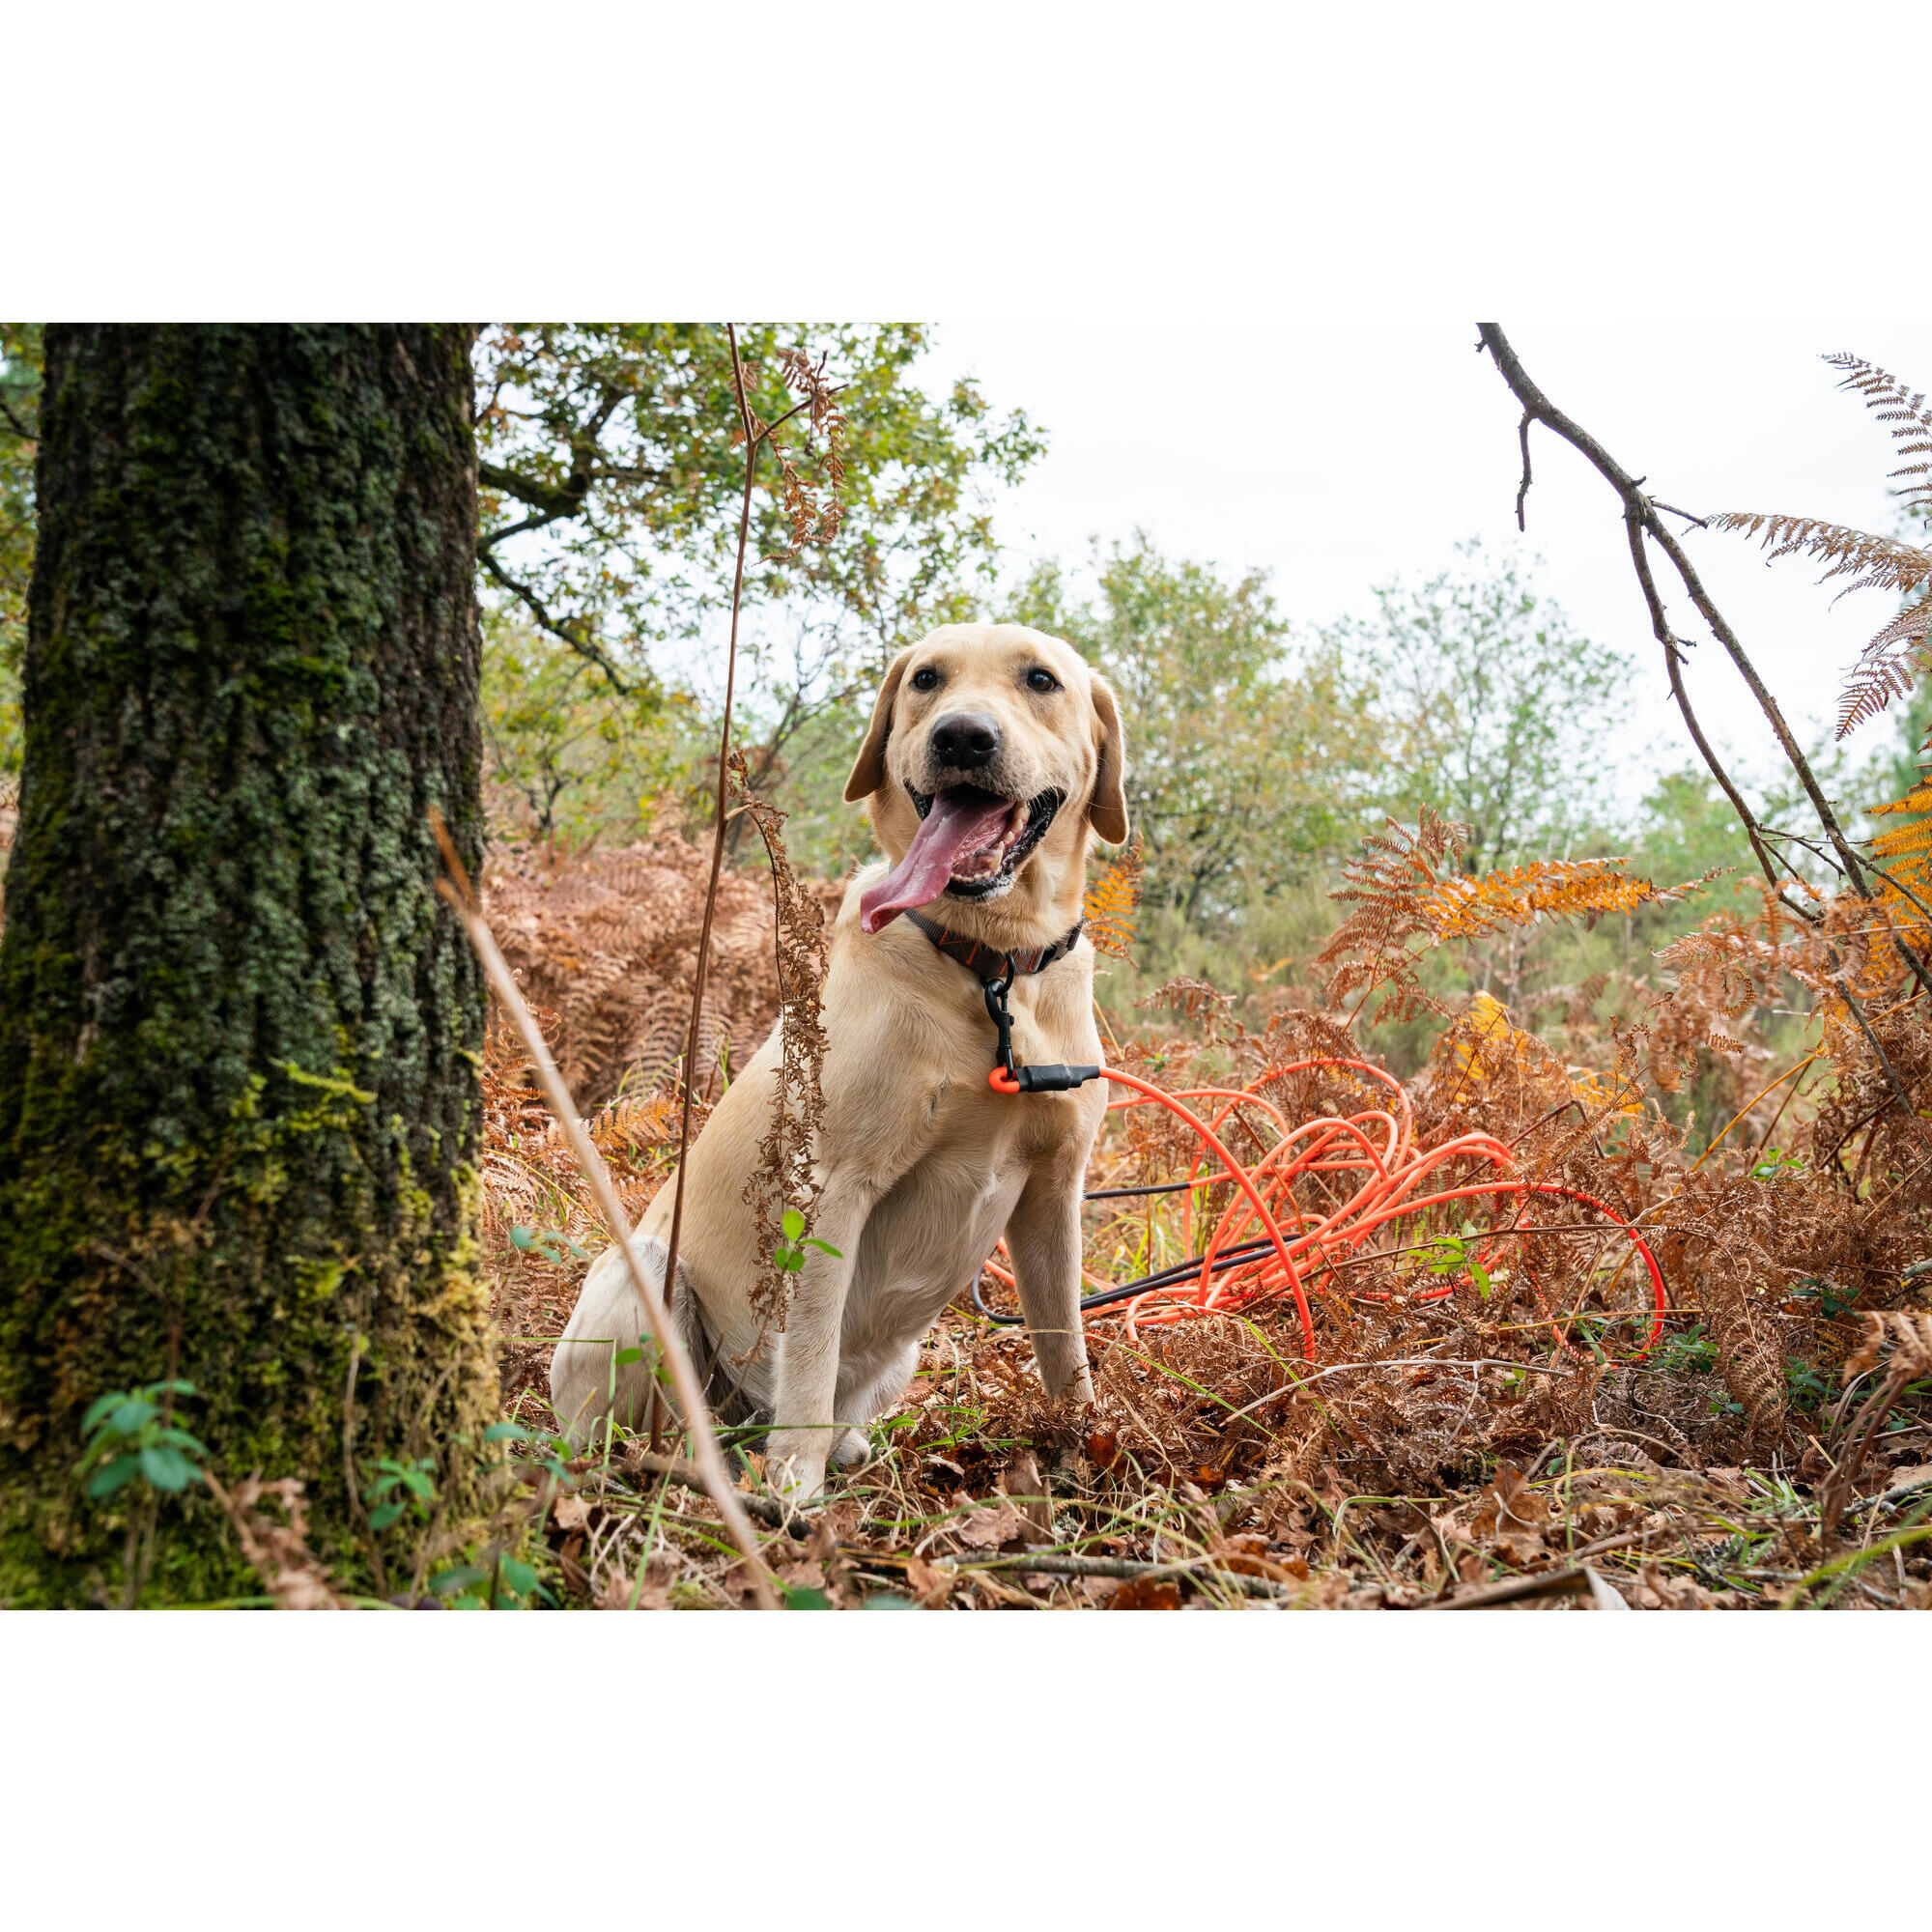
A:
970	843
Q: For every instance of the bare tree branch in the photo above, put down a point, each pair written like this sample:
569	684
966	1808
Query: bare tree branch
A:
1640	514
752	443
582	645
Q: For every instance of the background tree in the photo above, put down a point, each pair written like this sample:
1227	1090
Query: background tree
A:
608	508
575	757
239	1034
1499	715
1247	759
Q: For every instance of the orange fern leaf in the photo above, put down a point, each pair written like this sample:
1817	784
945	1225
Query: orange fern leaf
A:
1461	908
1112	904
1904	851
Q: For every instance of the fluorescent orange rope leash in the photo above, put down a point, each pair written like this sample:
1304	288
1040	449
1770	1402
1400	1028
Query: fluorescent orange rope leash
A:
1298	1245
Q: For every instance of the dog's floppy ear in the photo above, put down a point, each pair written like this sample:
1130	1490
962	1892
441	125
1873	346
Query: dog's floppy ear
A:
868	769
1107	808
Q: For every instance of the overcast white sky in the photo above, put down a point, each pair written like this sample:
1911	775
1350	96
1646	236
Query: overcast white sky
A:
1336	455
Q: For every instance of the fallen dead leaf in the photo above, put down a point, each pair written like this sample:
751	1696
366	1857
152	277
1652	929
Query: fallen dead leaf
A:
1145	1593
1022	1481
930	1585
988	1528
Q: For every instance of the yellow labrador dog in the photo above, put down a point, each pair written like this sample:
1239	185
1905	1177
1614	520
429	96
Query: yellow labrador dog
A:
994	756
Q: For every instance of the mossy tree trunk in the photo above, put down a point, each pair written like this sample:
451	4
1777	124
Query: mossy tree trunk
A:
239	1097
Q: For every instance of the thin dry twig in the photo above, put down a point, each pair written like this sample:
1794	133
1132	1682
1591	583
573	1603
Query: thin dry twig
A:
710	1464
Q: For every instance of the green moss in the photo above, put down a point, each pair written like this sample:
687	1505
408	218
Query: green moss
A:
239	1108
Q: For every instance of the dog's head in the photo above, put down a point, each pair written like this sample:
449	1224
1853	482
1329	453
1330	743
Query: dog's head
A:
993	750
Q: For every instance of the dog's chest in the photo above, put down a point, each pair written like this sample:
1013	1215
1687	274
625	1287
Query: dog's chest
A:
927	1235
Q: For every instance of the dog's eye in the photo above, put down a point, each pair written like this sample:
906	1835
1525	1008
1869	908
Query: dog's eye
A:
1042	680
925	679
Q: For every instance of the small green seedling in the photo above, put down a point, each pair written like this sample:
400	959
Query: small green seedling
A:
1833	1301
554	1248
417	1487
1451	1254
127	1435
1689	1354
1770	1164
516	1586
789	1254
1809	1389
555	1449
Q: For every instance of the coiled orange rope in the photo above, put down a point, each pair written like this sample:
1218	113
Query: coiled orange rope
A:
1292	1247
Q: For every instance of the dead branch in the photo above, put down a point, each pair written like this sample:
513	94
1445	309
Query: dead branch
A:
752	443
710	1464
1640	513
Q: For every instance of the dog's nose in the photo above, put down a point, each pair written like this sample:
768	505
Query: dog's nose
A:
965	739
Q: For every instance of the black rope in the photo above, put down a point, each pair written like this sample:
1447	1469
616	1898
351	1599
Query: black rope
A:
1228	1257
1158	1187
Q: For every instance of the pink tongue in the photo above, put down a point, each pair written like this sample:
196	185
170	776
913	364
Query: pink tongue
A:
954	827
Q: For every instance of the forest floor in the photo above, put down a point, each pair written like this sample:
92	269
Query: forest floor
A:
1607	1492
1487	1411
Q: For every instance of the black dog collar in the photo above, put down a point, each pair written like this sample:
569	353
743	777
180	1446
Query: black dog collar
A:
995	972
987	963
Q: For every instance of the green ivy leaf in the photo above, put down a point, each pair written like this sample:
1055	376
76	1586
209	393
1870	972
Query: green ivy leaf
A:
521	1577
113	1475
385	1513
100	1407
167	1468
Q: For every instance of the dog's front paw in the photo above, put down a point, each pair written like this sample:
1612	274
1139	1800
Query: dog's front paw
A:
796	1480
852	1450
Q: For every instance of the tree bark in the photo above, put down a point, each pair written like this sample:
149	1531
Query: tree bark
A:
239	1033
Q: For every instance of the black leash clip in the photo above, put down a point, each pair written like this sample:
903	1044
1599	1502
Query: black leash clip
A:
1005	1077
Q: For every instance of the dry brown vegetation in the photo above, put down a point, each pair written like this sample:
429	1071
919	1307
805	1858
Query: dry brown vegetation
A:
1483	1420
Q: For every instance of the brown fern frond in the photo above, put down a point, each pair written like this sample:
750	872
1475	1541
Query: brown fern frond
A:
1886	667
1888	664
1873	561
1112	904
605	940
1904	410
813	520
1407	891
1392	884
788	1175
1192	999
